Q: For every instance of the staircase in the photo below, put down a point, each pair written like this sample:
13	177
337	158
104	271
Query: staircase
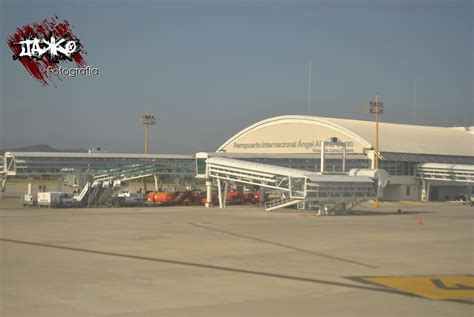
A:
83	194
281	203
94	195
3	182
106	197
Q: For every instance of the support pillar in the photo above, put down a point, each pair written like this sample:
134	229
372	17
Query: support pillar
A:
27	198
469	193
371	155
322	156
428	188
30	186
3	186
219	192
425	190
208	194
262	197
156	177
59	183
344	158
225	194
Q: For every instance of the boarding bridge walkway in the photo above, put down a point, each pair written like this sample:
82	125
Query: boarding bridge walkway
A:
298	187
432	173
127	173
446	172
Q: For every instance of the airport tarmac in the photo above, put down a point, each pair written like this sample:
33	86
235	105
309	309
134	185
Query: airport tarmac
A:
240	261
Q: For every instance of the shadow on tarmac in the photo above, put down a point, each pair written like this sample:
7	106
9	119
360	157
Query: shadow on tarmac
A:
214	267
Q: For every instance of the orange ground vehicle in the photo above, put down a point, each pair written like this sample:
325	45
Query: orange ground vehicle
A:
234	197
214	199
164	198
249	197
186	198
256	197
161	198
150	197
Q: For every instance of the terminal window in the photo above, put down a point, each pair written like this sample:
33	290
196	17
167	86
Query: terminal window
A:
201	166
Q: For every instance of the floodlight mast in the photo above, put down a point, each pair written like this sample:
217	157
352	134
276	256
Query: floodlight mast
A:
147	119
376	108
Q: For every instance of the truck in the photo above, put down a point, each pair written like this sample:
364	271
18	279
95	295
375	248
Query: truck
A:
28	200
55	200
49	199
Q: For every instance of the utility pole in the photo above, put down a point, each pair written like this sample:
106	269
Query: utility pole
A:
376	108
147	119
414	102
309	89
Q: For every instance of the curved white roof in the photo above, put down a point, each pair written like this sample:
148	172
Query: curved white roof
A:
394	137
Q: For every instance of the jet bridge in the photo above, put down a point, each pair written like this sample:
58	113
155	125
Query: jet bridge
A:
452	174
101	187
457	173
308	190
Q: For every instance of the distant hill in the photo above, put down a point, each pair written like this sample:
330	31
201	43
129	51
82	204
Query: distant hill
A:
40	148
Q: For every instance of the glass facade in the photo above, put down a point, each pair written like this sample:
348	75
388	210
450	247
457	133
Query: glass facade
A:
201	166
57	165
313	164
399	168
23	164
404	164
297	187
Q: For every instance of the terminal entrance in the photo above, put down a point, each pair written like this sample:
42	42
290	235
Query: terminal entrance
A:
449	193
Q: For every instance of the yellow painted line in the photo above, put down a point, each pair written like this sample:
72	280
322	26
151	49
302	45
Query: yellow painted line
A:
447	287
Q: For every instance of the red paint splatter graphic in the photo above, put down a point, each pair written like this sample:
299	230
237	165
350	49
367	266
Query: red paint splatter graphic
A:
39	68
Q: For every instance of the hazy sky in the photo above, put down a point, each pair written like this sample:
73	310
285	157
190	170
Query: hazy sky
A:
208	69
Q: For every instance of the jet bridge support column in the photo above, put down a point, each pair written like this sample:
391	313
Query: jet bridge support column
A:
222	193
208	193
219	192
425	191
156	177
344	158
3	186
225	193
30	181
59	183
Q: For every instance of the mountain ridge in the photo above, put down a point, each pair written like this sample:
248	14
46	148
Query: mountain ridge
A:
39	148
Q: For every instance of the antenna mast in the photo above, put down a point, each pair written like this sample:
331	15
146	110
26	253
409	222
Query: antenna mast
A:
309	88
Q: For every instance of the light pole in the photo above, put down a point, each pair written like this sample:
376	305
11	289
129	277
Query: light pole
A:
147	119
377	108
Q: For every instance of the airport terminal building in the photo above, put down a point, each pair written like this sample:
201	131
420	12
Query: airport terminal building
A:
424	162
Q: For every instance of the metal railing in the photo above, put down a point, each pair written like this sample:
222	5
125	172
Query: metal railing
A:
280	203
